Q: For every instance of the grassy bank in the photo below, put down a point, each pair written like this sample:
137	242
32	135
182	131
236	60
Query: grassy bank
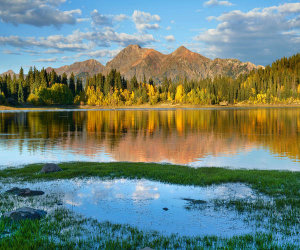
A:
64	229
145	106
275	183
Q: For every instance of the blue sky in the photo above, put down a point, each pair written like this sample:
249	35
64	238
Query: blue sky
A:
59	32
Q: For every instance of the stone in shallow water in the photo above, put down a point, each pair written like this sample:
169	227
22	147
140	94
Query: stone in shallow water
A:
25	213
194	202
50	168
24	192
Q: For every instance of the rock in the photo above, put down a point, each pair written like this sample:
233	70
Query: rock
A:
25	213
50	168
223	103
165	208
24	192
195	202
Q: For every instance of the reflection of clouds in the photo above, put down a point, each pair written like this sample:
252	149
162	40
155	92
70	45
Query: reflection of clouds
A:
145	192
72	200
224	191
96	191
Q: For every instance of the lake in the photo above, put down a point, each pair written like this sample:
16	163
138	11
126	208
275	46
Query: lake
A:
260	138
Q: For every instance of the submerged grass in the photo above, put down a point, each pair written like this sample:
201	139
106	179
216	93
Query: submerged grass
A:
64	229
74	231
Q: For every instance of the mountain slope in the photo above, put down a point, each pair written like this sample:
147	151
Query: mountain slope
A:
143	62
9	72
91	67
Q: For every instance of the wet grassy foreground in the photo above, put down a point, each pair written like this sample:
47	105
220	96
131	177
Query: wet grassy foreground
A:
277	217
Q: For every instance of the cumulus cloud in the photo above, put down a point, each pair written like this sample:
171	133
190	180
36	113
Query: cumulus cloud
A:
46	60
170	38
10	52
78	41
217	3
36	12
100	19
260	35
106	20
144	21
100	53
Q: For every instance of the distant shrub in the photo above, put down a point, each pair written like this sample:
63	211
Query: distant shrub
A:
79	99
33	99
57	94
2	98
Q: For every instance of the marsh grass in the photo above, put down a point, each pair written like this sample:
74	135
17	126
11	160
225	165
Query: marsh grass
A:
271	182
276	218
64	229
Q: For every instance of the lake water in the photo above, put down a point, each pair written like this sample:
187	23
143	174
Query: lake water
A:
140	203
261	138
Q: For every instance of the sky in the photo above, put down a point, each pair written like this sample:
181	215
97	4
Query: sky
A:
54	33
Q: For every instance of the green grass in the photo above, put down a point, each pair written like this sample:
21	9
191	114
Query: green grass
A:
270	182
63	229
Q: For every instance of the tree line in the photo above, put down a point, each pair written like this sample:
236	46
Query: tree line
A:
276	83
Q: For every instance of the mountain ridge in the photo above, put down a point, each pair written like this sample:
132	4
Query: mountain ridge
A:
134	60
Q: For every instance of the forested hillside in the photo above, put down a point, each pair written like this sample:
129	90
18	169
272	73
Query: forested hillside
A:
277	83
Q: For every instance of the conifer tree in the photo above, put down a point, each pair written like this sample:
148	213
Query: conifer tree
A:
20	94
72	83
64	79
79	87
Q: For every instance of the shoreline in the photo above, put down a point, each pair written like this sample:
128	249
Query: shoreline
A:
142	107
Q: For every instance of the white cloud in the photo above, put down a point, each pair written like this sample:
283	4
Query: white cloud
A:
10	52
170	38
144	21
100	53
46	60
217	3
106	20
78	41
36	12
100	19
120	17
260	35
80	20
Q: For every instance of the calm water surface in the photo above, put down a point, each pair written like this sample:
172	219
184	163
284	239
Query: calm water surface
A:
264	138
140	203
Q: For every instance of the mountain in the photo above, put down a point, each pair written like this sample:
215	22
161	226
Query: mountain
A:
9	72
134	60
91	67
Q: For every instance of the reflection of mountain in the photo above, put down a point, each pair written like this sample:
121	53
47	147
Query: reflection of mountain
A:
179	136
176	149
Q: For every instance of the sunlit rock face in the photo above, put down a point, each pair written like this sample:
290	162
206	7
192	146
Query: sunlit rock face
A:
143	62
176	136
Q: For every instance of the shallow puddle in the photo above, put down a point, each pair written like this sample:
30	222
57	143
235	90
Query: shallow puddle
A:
150	205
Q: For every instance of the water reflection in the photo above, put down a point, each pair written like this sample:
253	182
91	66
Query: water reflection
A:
140	203
264	138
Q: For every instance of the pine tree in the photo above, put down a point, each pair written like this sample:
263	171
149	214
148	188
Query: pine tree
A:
72	83
64	79
20	94
79	87
53	78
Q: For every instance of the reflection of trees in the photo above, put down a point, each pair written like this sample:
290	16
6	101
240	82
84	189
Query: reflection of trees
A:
177	135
